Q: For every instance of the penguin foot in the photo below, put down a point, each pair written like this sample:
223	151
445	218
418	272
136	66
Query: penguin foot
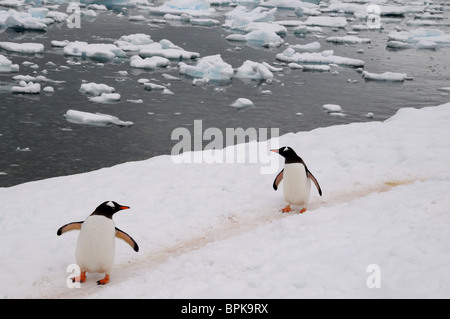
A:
81	278
103	281
286	209
303	210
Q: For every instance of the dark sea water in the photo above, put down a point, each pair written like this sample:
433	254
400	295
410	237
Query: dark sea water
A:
36	141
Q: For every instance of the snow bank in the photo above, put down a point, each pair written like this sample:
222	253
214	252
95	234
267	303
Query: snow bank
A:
385	203
324	57
91	119
210	67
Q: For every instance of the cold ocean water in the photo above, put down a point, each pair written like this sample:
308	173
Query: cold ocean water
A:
37	142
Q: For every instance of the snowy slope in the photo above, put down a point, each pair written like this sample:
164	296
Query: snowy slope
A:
216	231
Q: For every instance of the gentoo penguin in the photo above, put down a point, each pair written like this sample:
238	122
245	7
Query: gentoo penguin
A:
96	241
296	180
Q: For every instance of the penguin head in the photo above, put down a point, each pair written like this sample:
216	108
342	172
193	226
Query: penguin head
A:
288	153
109	208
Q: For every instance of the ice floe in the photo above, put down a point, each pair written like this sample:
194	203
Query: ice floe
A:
242	102
166	49
255	70
421	38
350	39
265	38
386	76
326	21
324	57
309	47
7	66
27	88
94	119
211	67
95	51
93	88
149	63
22	47
195	8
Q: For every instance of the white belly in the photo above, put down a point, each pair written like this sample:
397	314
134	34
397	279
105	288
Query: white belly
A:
96	245
296	185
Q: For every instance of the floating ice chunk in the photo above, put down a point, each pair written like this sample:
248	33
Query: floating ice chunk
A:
22	47
242	102
263	37
332	108
92	88
94	119
57	16
445	89
320	68
195	8
136	18
241	16
289	4
38	12
133	42
334	22
7	66
304	29
148	63
39	78
348	39
386	76
27	88
105	98
310	47
254	70
154	87
25	22
137	101
419	38
59	44
324	57
96	51
294	65
211	67
204	22
166	49
48	89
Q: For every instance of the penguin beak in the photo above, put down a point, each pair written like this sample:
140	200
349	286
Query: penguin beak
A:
124	207
275	151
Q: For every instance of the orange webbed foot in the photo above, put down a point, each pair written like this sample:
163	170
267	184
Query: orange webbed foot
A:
303	210
286	209
80	278
103	281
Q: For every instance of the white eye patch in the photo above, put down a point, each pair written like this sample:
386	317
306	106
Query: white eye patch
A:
110	204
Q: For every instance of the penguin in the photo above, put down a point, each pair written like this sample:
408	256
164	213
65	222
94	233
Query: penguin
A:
96	242
297	180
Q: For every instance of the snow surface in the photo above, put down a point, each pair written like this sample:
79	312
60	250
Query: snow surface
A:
216	230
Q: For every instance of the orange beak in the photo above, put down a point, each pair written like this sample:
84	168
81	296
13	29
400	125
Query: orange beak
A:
124	207
275	151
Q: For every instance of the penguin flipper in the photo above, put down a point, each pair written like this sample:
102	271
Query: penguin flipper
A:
311	177
128	239
278	179
69	227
